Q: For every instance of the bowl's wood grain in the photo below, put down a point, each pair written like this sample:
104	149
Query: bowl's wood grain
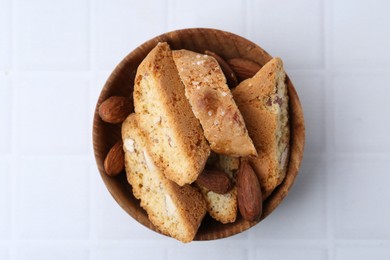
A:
121	82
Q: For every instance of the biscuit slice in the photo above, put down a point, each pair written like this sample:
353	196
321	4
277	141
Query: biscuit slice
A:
175	210
213	104
263	102
223	207
166	117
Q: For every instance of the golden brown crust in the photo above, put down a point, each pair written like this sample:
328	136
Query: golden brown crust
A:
213	104
175	210
263	102
167	118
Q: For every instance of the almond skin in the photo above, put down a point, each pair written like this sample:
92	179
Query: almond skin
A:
249	193
244	68
115	109
115	160
231	78
215	181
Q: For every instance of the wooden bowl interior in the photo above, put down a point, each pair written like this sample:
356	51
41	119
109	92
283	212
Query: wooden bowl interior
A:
121	83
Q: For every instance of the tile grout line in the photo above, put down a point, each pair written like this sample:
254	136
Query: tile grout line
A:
329	121
247	13
250	242
288	242
8	154
249	16
368	72
169	18
15	167
329	162
92	79
168	25
8	61
166	9
85	74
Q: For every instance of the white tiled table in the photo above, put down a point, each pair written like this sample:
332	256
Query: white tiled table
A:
55	57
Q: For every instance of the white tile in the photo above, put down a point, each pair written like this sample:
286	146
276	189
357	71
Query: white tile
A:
100	81
218	250
97	87
111	221
278	252
311	91
361	34
302	214
4	255
209	14
291	29
5	24
52	35
54	116
361	113
360	198
121	25
129	251
5	197
359	252
48	252
5	115
53	198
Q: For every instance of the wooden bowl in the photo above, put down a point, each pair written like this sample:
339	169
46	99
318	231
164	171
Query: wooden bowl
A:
121	83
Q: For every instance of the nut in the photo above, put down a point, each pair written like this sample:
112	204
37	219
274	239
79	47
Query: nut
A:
170	207
115	161
115	109
129	145
149	161
226	69
244	68
249	193
215	181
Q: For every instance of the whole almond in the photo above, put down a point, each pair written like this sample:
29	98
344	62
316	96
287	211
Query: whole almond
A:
249	193
215	181
229	73
115	109
115	160
244	68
